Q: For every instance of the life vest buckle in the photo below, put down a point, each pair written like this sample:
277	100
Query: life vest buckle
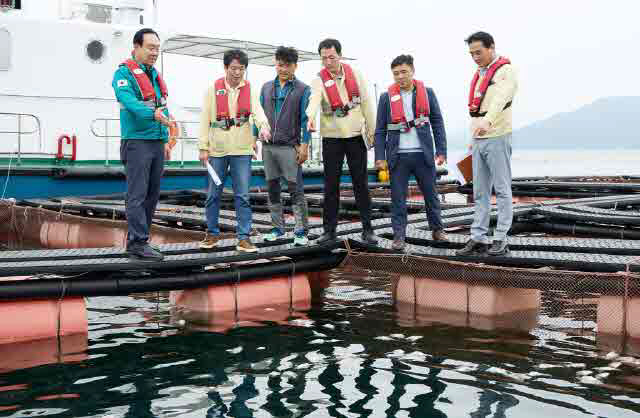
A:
225	123
341	112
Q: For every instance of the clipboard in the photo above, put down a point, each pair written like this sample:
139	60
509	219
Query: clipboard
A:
465	167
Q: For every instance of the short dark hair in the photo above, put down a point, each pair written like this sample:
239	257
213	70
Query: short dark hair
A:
138	38
330	43
484	37
235	54
286	54
402	59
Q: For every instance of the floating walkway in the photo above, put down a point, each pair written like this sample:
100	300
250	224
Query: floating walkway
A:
609	221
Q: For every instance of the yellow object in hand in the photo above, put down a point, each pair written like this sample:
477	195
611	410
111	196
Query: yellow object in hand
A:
383	176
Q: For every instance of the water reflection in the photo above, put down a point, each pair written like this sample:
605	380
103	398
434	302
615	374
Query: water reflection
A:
354	352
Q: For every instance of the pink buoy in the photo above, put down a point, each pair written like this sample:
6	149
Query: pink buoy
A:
37	319
460	296
245	295
41	319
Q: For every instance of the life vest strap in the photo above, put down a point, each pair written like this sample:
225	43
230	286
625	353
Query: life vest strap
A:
227	123
406	126
482	114
343	111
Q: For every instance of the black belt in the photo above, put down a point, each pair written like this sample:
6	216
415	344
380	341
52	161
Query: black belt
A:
480	115
280	144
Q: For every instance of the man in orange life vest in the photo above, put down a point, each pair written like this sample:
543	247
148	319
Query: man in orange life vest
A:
347	115
144	120
492	90
227	144
407	115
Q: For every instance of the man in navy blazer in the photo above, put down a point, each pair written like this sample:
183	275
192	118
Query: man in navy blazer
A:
407	115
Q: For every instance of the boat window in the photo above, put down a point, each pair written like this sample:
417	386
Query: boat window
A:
96	51
5	50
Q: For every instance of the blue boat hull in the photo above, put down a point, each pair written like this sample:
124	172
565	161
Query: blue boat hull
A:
33	185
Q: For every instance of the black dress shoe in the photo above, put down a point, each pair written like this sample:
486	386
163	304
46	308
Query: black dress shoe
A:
369	237
499	248
473	248
144	252
326	237
154	246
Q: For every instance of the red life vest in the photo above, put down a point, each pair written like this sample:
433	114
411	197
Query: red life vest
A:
144	84
398	119
476	101
222	103
353	91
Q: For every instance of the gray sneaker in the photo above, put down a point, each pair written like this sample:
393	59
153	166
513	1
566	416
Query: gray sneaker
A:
473	248
499	248
398	245
144	252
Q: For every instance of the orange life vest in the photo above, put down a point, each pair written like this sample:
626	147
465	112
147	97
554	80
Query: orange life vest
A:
475	100
223	117
335	101
145	84
398	119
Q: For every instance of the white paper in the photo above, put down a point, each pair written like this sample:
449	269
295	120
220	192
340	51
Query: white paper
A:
213	174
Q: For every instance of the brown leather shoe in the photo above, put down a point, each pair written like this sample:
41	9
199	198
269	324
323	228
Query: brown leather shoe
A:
439	235
246	246
209	242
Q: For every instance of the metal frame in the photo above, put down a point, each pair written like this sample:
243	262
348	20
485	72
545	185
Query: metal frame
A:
214	48
19	132
181	139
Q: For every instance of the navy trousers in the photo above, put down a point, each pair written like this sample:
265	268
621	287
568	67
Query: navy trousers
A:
413	163
143	161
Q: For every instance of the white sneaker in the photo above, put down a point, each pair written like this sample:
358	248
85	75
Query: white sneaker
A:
274	235
301	240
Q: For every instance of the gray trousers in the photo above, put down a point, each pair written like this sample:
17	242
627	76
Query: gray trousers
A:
280	162
491	169
143	161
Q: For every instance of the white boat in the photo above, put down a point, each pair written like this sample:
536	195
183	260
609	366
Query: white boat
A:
59	126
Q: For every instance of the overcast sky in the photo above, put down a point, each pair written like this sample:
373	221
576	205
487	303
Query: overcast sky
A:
568	53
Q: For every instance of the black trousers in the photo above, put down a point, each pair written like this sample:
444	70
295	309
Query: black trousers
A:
333	152
143	161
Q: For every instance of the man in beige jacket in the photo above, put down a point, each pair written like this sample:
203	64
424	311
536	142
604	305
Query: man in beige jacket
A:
492	91
227	144
341	94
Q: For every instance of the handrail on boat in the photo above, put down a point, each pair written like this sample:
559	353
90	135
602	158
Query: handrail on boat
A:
19	132
182	137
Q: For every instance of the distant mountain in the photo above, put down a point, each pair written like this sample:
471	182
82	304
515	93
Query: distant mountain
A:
611	122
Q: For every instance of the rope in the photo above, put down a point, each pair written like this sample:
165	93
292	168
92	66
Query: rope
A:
291	276
347	246
59	319
6	182
235	292
625	302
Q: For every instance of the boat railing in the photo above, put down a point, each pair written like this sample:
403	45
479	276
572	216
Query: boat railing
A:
108	134
20	122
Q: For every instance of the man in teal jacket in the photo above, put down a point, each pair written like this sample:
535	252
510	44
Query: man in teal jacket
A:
144	123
